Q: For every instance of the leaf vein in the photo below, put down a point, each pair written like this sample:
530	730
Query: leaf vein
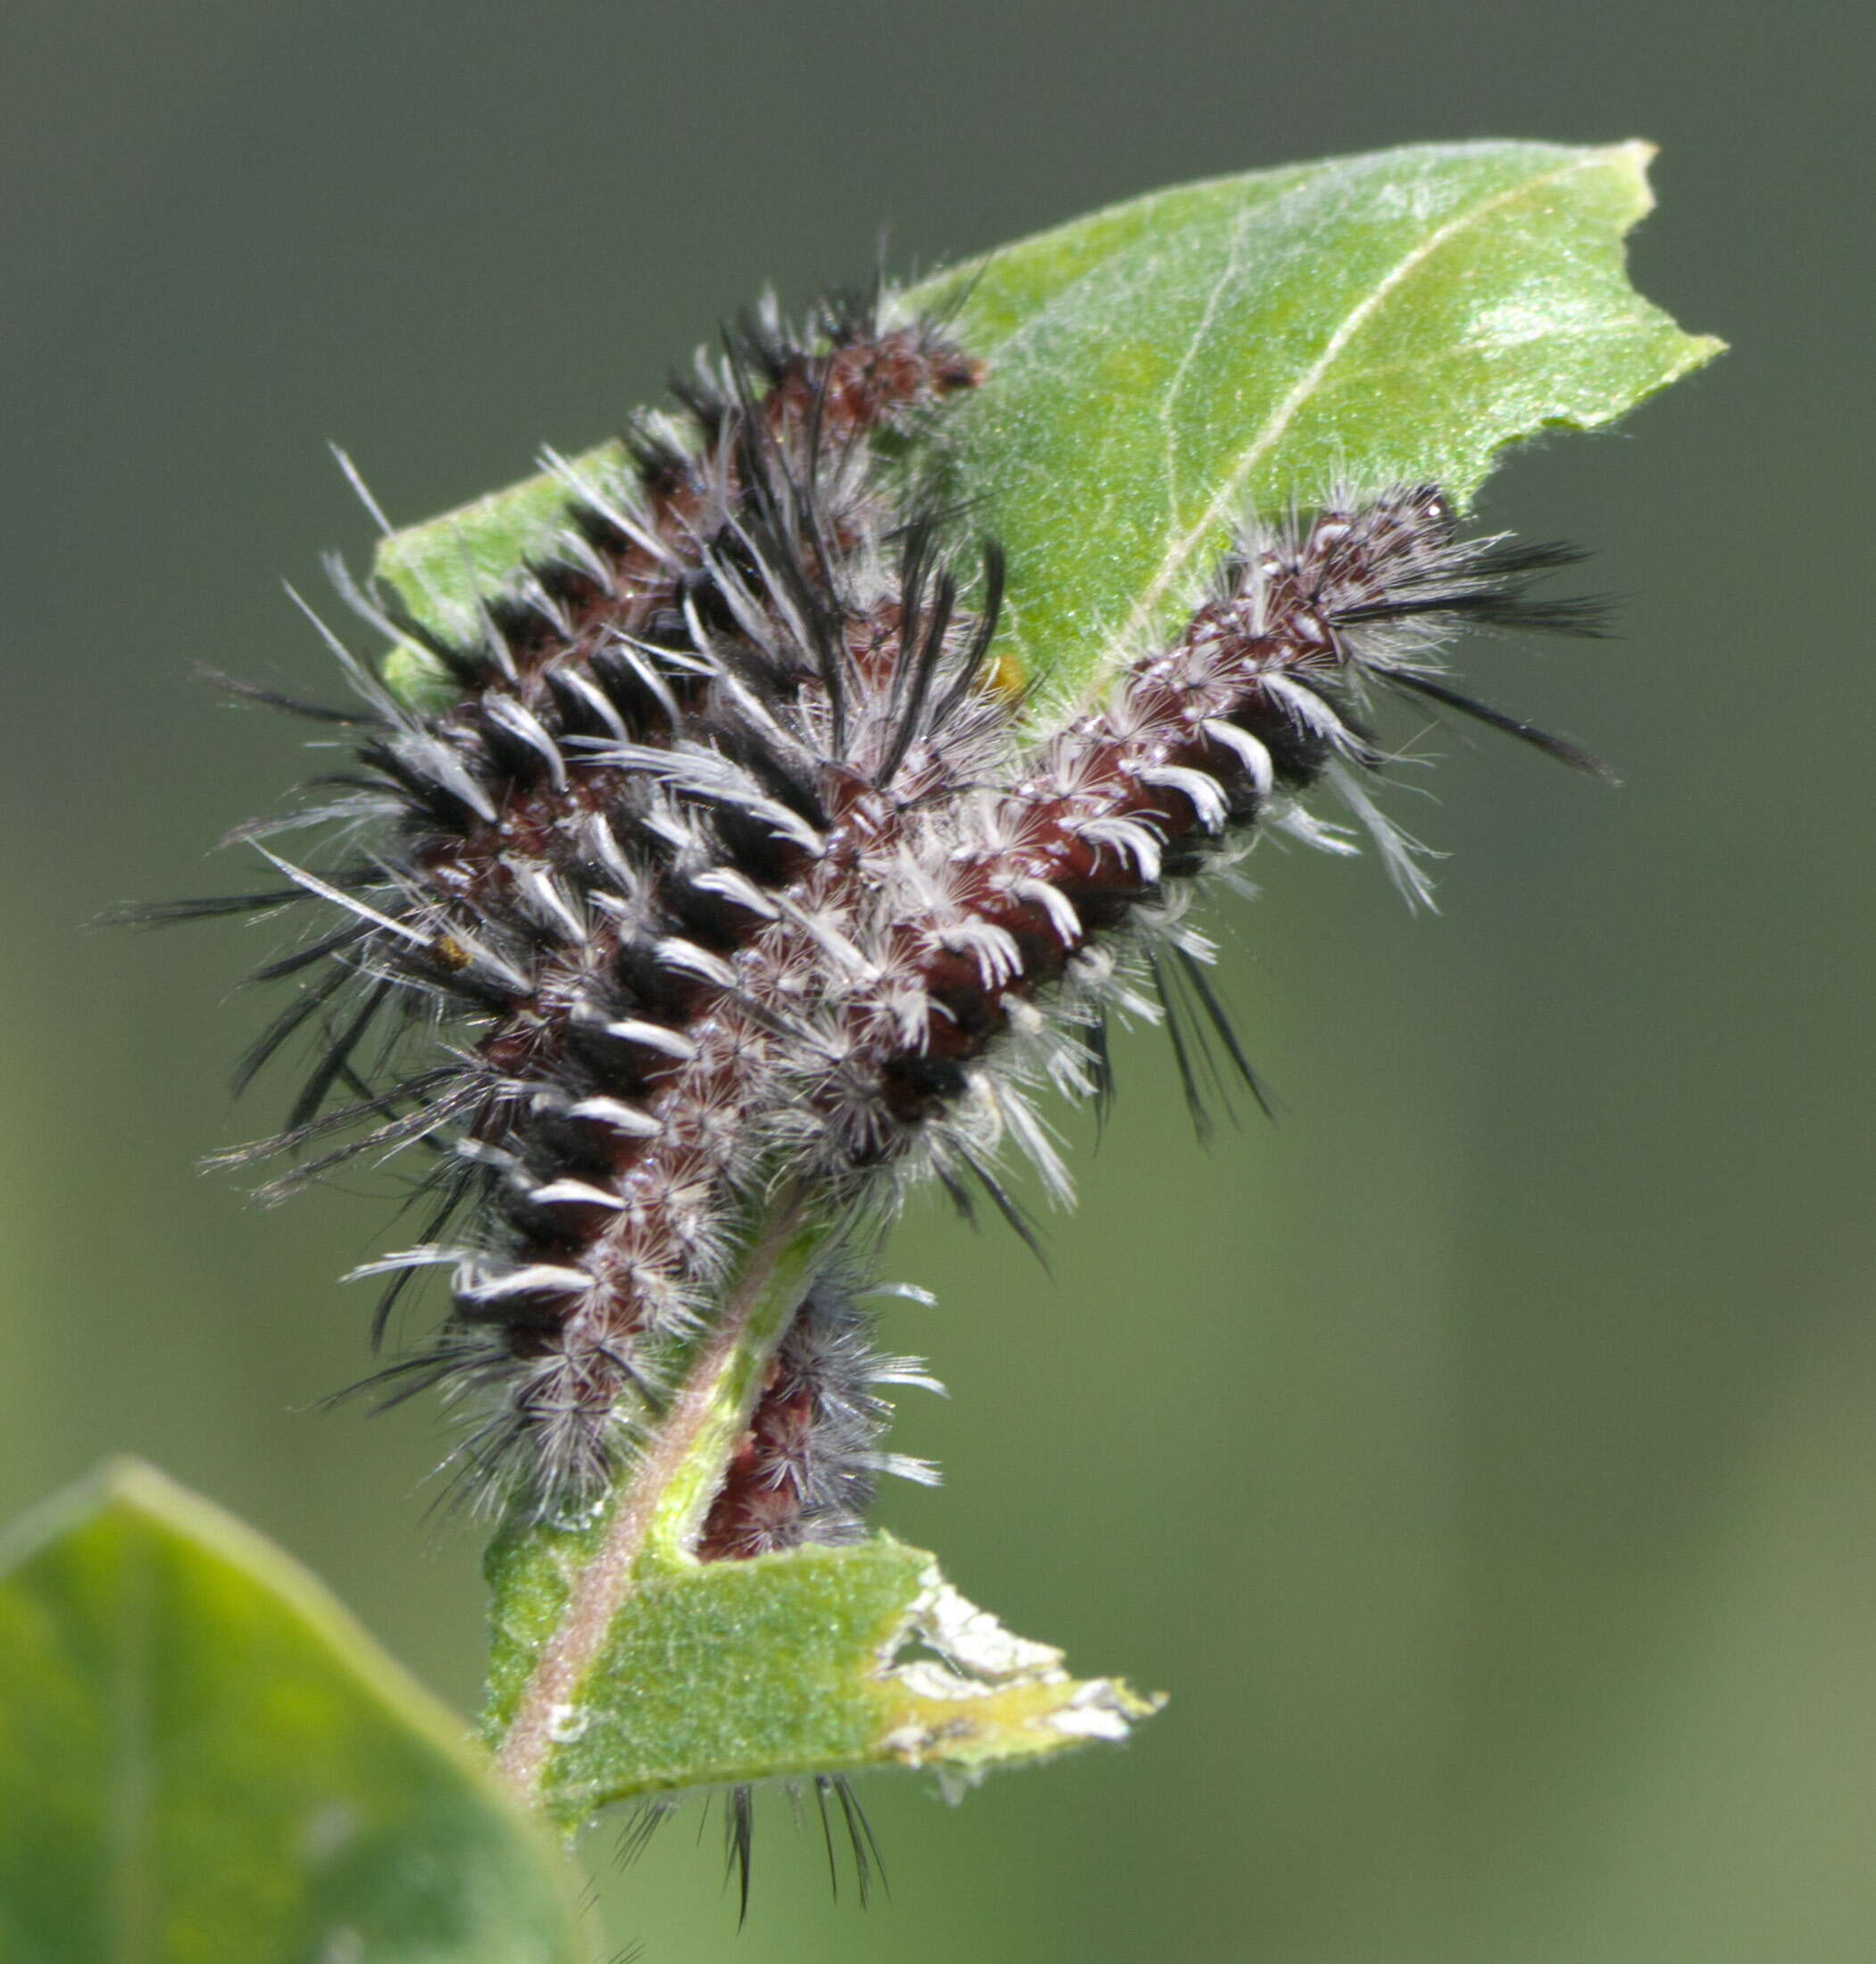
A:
1230	490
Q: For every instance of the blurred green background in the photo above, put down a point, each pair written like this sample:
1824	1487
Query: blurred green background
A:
1484	1456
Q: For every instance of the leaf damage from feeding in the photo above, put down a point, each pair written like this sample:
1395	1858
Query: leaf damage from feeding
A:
816	1661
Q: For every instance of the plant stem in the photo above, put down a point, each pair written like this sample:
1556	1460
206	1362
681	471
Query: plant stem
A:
665	1493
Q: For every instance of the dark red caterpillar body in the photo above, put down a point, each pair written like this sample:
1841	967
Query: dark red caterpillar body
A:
606	853
1251	706
729	856
808	1467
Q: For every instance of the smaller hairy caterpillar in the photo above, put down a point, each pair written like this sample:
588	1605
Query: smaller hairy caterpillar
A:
729	858
808	1463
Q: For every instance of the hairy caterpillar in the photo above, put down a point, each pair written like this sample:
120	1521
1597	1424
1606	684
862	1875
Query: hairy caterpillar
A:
731	856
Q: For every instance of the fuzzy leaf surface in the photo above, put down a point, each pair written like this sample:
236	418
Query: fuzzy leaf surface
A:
203	1758
816	1661
622	1668
1161	367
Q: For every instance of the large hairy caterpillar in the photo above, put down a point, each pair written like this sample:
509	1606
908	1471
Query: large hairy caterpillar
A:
731	855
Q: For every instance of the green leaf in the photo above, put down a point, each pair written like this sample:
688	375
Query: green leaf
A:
203	1758
443	569
817	1661
621	1667
1160	368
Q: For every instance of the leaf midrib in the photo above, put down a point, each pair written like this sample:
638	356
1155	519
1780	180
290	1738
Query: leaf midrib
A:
1185	546
128	1883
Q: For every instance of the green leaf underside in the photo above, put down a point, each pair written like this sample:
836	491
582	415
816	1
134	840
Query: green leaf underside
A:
1162	368
203	1758
817	1661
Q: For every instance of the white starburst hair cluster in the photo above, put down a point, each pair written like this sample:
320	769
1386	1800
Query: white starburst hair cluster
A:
731	855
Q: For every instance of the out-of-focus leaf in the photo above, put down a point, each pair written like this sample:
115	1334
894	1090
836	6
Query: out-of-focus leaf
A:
204	1761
